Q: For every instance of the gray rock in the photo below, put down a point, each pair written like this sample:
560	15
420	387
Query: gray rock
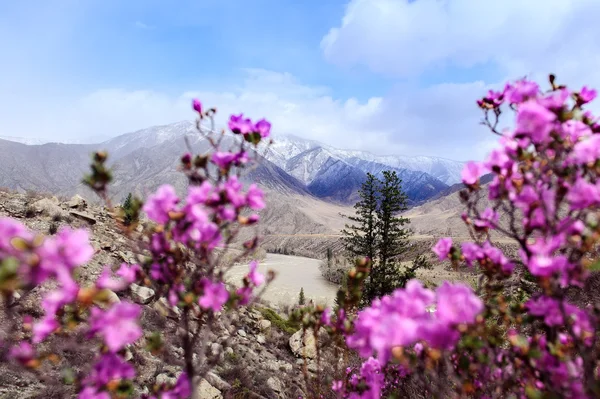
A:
217	381
77	202
264	325
261	339
242	333
48	206
84	216
143	295
303	344
215	349
206	391
163	307
229	350
275	384
166	379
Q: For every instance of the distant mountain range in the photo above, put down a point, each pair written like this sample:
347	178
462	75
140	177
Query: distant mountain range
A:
144	159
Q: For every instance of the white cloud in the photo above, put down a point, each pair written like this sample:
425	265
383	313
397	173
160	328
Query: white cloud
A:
402	38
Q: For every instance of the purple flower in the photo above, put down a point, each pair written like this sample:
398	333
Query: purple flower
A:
534	121
587	150
117	325
43	328
233	190
583	195
93	393
255	198
23	352
240	125
457	303
521	90
263	127
471	252
108	368
586	95
10	229
326	317
254	276
471	173
487	219
197	105
442	248
126	275
223	159
214	296
159	204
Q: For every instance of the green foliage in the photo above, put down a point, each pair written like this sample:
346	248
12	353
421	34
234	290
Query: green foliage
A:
130	210
279	322
301	298
379	233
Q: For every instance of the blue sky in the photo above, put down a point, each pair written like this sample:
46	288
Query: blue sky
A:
390	76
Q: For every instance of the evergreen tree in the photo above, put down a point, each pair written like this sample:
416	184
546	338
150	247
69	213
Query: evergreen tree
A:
380	233
360	237
301	298
393	236
130	210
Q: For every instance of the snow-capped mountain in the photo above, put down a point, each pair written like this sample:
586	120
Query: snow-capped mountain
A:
286	147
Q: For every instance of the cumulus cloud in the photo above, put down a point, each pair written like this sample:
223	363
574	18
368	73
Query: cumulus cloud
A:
403	38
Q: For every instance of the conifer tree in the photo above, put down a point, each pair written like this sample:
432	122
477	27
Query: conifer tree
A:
301	298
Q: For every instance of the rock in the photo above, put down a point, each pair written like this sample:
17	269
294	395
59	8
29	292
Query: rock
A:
107	296
215	349
217	381
142	295
206	391
128	355
275	384
306	347
261	339
229	350
48	206
84	216
77	202
312	367
165	378
264	325
277	366
242	333
163	307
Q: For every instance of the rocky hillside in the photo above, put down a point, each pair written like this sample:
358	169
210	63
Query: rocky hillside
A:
260	353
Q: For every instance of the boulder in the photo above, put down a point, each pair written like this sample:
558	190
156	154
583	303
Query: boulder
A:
142	295
48	206
261	339
242	333
303	344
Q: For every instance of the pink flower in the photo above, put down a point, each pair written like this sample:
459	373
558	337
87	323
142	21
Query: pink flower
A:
240	125
471	252
215	295
117	325
10	229
586	150
471	173
223	159
197	105
201	194
43	328
263	127
110	367
586	95
159	204
22	352
256	278
488	219
583	195
255	198
521	90
442	248
126	273
457	303
326	317
233	189
534	121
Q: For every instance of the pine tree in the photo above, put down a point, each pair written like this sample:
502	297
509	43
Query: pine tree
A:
392	233
130	209
301	298
359	238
